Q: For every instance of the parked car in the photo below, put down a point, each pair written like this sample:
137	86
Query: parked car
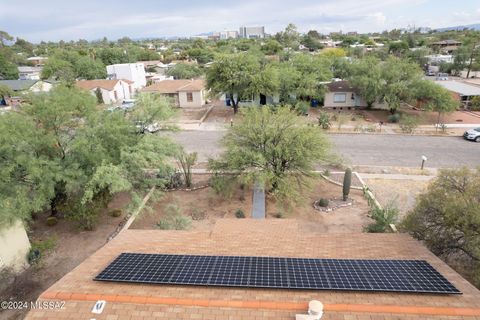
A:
442	76
472	134
127	104
430	73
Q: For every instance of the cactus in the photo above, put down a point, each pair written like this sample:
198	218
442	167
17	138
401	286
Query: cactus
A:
347	182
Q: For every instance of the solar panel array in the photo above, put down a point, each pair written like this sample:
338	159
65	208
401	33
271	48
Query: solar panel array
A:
270	272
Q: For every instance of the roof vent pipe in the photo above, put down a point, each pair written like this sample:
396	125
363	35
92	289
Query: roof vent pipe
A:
315	308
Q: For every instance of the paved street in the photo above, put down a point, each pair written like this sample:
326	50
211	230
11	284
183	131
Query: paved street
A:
359	149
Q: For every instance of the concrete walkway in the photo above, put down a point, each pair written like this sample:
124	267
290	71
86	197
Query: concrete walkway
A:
394	176
258	207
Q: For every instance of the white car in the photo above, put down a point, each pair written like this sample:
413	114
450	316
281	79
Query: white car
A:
149	128
472	134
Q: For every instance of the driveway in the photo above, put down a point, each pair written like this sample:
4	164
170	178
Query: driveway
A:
365	149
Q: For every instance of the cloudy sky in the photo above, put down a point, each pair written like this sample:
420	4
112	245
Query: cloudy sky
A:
92	19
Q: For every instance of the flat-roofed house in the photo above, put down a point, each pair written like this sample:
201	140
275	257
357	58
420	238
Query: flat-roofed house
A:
185	93
341	94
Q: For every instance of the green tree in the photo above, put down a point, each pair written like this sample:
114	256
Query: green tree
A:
447	217
240	76
365	75
63	154
5	91
271	47
98	94
4	36
290	37
434	97
8	69
274	147
185	71
89	69
58	69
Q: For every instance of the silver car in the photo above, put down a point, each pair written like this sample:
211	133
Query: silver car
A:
472	134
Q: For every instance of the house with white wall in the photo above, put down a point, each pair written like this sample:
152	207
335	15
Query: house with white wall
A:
129	71
341	94
113	91
185	93
29	73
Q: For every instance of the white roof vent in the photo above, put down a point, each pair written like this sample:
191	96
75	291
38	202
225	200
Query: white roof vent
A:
315	311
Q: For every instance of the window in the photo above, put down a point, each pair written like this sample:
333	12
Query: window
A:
115	95
339	97
189	97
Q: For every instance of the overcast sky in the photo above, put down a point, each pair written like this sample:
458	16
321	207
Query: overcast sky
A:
92	19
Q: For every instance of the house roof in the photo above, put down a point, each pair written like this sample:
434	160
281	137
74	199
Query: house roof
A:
340	86
18	85
461	88
23	69
447	42
174	86
100	83
249	237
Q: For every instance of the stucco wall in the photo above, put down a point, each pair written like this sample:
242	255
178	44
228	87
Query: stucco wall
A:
14	247
198	99
349	102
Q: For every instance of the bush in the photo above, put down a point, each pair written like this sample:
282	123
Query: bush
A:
279	215
174	220
198	214
222	185
326	173
239	214
51	221
40	248
115	213
324	120
323	202
302	108
394	118
383	218
408	124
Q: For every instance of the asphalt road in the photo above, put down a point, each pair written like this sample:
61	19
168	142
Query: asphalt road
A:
366	149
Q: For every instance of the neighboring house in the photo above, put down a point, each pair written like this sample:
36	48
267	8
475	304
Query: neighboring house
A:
340	94
447	46
437	59
37	61
461	91
112	90
361	276
185	93
29	73
24	86
130	71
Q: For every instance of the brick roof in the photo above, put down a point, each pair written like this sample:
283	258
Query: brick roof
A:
100	83
282	238
174	86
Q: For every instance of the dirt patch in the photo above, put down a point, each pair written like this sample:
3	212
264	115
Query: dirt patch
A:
343	220
193	114
72	247
402	192
220	113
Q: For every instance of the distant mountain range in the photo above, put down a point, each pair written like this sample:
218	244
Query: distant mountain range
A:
468	26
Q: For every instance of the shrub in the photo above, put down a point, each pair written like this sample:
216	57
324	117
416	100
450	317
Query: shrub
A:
40	248
239	214
475	103
115	213
324	120
353	118
222	185
383	219
51	221
302	108
279	215
394	118
323	202
174	220
347	182
198	214
326	173
408	124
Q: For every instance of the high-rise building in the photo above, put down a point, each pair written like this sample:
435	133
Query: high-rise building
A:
252	32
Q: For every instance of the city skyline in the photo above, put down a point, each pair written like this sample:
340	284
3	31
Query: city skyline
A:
36	22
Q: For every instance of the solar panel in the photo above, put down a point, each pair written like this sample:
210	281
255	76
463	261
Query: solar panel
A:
269	272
